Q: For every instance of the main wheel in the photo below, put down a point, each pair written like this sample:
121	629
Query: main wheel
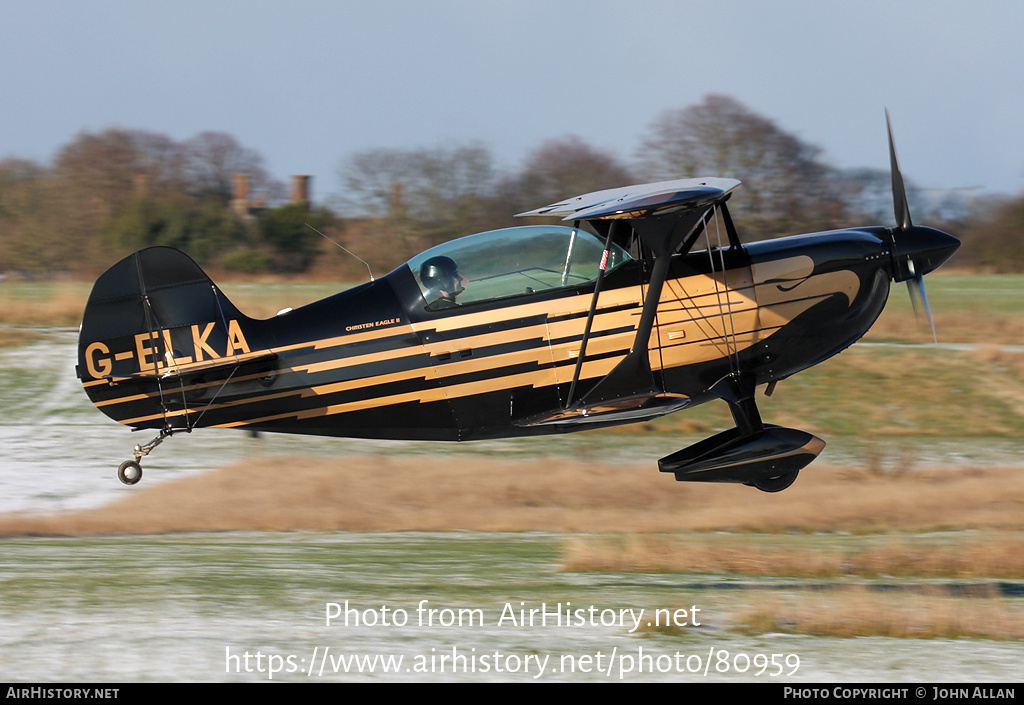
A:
129	472
777	483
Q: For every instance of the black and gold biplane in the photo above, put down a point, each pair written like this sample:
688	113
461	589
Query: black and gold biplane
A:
528	330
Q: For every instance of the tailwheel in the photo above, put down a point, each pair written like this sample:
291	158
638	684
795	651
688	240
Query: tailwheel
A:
129	472
776	483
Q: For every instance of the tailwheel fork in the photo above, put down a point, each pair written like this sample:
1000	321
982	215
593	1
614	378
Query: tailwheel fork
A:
130	471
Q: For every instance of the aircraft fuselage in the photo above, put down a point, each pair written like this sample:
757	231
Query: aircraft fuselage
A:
374	362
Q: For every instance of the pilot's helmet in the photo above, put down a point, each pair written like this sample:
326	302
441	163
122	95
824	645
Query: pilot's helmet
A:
440	273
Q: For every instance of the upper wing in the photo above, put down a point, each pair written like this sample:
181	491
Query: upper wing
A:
640	200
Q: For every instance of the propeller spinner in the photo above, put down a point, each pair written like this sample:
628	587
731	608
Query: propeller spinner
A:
915	250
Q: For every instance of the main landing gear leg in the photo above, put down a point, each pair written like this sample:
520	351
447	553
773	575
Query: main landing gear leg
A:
738	393
748	420
130	471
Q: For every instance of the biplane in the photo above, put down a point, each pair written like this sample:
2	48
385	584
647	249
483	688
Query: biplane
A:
643	303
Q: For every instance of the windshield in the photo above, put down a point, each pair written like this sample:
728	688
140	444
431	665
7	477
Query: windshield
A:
510	262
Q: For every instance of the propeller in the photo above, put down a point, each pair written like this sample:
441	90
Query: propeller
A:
919	299
916	250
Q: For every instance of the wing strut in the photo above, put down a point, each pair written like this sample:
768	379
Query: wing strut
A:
633	378
591	312
630	389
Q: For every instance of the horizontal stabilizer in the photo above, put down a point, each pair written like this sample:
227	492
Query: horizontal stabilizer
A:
169	369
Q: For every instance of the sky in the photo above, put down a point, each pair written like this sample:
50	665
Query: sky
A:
308	82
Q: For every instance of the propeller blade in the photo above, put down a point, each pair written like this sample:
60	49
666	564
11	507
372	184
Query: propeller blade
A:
915	250
919	298
899	192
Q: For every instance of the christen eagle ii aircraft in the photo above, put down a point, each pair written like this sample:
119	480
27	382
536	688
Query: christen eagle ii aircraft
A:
528	330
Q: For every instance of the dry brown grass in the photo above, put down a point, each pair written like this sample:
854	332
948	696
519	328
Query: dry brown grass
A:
862	612
435	493
11	337
965	326
662	526
61	305
993	555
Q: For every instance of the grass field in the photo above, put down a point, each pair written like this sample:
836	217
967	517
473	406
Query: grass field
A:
482	493
923	554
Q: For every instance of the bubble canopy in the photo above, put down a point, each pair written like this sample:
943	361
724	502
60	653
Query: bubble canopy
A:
516	261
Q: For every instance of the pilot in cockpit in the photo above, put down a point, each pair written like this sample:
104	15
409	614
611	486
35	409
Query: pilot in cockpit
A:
440	276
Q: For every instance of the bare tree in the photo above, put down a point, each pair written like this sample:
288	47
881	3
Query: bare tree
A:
420	196
427	181
994	238
102	171
559	169
785	186
30	240
211	159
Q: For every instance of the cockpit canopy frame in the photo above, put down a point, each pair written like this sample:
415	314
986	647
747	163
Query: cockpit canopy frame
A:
510	262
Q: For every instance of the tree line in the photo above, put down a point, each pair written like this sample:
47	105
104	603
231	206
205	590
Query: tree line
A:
108	193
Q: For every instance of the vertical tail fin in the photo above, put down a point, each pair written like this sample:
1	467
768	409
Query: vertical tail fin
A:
154	316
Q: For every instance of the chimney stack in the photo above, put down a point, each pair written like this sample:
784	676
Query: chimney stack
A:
240	187
240	195
300	189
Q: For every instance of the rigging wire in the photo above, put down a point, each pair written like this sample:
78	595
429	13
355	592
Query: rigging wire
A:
731	349
370	271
